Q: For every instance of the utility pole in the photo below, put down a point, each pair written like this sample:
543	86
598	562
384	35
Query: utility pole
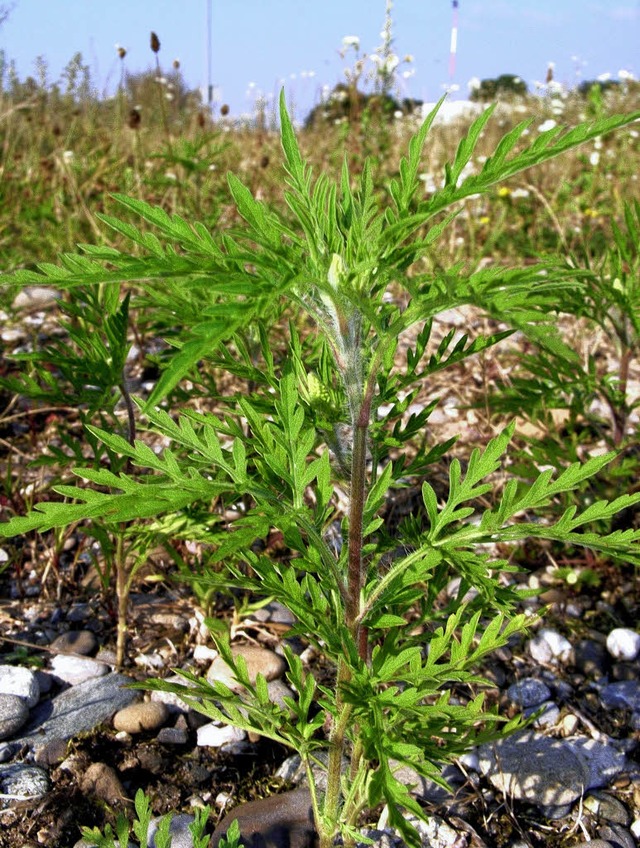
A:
454	42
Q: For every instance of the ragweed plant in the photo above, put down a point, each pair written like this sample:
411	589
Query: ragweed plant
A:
365	596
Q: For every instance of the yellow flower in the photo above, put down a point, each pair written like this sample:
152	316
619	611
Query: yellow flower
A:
503	191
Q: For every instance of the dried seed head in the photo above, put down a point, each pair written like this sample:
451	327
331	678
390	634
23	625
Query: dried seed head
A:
155	43
122	52
264	162
224	109
201	120
135	119
176	64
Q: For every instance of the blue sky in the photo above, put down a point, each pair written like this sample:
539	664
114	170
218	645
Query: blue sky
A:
296	42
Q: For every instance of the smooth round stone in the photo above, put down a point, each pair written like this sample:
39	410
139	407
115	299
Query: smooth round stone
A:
103	782
35	297
530	766
607	807
15	680
623	644
528	692
14	713
141	717
23	782
549	715
74	670
210	735
258	660
75	642
623	695
178	829
549	646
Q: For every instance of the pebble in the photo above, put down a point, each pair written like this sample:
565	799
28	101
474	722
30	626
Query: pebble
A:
593	843
141	717
607	807
215	736
549	646
14	713
78	709
75	670
23	782
549	715
179	830
528	692
623	695
15	680
617	835
173	736
35	297
102	781
258	660
273	822
623	644
604	762
75	642
530	766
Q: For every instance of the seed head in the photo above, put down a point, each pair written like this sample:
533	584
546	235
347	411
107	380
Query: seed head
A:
122	52
176	64
155	43
224	109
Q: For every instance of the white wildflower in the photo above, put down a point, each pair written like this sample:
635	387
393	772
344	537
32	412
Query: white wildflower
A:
547	125
351	41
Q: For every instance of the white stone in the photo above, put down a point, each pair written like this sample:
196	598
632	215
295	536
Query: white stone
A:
15	680
549	646
623	644
213	736
74	670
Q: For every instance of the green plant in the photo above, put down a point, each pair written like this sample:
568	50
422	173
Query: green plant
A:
140	826
407	688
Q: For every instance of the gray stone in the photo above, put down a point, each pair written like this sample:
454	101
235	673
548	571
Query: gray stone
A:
15	680
604	762
173	736
258	660
623	695
528	692
35	297
170	699
14	713
78	709
434	832
75	642
22	782
593	843
179	830
549	714
141	717
617	835
535	768
607	807
279	821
